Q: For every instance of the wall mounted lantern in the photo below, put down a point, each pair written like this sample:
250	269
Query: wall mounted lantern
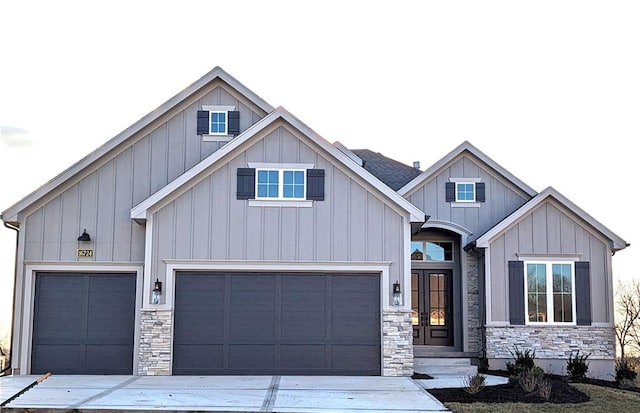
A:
84	237
157	291
397	294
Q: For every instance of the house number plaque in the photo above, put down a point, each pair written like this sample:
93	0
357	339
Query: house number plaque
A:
85	253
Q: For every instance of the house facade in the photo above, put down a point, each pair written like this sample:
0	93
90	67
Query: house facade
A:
221	235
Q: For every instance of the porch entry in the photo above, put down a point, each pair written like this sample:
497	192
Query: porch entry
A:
431	305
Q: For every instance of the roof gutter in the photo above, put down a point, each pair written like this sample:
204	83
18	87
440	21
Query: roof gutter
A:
13	304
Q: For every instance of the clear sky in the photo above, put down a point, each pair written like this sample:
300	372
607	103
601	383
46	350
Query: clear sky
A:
548	89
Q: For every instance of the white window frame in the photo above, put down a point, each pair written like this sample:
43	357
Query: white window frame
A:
218	136
473	185
280	196
549	293
226	122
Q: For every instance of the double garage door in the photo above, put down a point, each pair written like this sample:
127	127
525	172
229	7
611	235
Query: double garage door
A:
315	324
224	323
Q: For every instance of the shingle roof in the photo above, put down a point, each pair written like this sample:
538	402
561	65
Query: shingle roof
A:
393	173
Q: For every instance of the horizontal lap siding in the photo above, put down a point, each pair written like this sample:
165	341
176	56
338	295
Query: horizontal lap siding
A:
351	224
550	229
101	201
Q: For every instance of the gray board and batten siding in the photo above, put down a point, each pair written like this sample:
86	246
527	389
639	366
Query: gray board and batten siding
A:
100	199
551	230
208	222
501	196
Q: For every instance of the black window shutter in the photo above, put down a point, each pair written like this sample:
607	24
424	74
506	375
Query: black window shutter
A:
583	293
516	292
315	184
450	192
233	122
246	188
480	193
203	122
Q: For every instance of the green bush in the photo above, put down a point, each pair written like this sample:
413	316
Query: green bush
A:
625	371
577	366
522	361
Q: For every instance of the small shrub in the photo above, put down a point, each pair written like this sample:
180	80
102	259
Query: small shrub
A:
627	384
544	389
577	366
625	371
474	383
530	379
523	360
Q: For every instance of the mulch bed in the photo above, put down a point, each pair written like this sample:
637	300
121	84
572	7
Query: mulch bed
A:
561	392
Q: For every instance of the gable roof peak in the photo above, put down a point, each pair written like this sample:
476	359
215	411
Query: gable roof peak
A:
617	243
465	146
11	214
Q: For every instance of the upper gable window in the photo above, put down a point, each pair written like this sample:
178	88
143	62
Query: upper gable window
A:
465	192
280	184
218	123
269	184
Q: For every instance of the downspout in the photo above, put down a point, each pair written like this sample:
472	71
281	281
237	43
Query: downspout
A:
13	304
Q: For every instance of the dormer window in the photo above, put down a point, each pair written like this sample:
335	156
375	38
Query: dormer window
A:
218	123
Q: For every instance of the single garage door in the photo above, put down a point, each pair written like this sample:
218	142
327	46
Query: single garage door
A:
295	324
83	323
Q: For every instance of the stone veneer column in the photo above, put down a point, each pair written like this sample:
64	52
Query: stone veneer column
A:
397	343
155	343
474	329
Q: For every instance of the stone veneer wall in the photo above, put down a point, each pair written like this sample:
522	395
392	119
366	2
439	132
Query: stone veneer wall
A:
552	342
155	343
397	343
474	326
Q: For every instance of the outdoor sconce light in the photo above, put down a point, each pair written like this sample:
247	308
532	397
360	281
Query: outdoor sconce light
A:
397	294
157	291
84	237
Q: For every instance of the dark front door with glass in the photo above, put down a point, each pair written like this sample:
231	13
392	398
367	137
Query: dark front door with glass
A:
431	307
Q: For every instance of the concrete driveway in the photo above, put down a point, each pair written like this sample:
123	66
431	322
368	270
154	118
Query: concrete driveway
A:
221	393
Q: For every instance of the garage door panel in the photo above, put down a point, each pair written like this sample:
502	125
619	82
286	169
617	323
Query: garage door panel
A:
356	326
107	359
304	301
198	328
281	324
355	357
197	359
252	357
304	325
303	357
60	358
83	319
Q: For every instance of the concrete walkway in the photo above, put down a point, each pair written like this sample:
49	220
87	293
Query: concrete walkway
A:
221	393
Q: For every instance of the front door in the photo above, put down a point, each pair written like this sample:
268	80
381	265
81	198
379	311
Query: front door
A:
431	296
